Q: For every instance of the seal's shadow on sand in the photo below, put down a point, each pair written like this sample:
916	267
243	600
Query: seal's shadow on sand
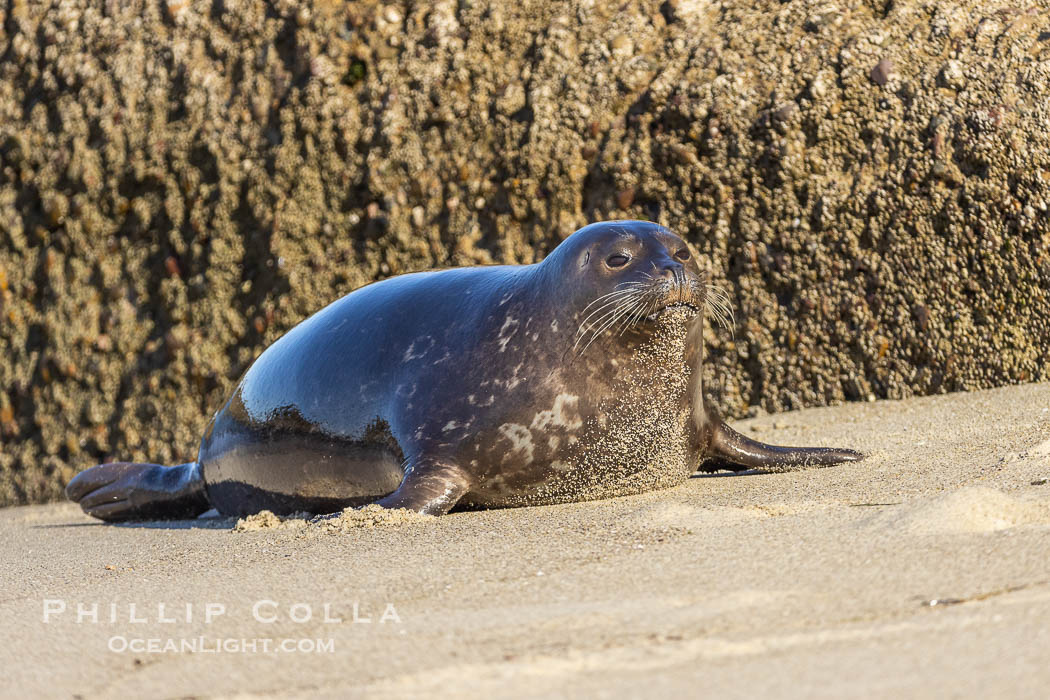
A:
208	523
217	522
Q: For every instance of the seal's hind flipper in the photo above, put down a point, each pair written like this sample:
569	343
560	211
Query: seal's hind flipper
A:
728	449
129	491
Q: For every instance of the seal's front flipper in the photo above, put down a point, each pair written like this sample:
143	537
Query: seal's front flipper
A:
728	449
129	491
429	488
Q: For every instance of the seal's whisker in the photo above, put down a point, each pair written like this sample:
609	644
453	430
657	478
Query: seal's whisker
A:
604	308
641	310
615	293
601	324
634	317
597	326
628	319
653	305
624	285
719	315
719	296
608	321
611	298
719	303
725	315
626	311
604	297
717	291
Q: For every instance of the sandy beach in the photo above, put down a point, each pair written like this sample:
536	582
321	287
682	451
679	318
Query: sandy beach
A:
919	572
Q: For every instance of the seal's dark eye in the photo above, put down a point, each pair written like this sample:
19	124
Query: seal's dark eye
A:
617	260
682	254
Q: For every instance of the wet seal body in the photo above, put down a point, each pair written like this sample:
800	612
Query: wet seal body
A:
572	379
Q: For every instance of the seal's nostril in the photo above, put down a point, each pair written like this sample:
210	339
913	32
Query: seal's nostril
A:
675	273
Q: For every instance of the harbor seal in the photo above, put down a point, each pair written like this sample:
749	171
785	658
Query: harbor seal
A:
571	379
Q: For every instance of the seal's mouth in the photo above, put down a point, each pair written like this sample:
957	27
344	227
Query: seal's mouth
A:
641	303
693	309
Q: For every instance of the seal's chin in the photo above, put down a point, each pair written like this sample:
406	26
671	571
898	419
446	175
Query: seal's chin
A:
679	306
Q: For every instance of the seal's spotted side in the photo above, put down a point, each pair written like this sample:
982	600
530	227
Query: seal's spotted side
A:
572	379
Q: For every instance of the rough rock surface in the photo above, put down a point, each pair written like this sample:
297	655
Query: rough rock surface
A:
182	181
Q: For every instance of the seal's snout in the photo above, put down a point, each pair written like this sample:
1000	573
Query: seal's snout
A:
676	288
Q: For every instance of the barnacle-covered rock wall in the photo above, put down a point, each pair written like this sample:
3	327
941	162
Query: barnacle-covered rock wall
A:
183	181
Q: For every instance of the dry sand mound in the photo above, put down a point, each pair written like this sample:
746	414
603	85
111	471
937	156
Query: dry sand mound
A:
973	509
340	523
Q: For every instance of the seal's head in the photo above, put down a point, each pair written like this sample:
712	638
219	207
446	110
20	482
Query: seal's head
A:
626	275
